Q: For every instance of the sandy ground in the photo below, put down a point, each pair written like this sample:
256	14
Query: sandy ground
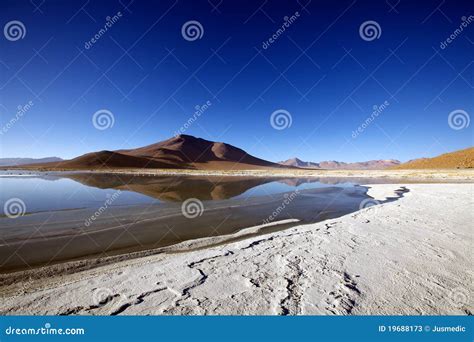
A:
410	256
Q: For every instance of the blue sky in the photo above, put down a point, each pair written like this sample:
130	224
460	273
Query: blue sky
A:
319	70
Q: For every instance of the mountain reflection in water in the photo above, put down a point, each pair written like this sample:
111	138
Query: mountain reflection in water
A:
178	189
148	213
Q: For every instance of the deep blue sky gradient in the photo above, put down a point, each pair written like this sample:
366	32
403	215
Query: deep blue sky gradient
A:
329	90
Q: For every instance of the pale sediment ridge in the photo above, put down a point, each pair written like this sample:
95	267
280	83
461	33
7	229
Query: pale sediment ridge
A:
441	175
410	256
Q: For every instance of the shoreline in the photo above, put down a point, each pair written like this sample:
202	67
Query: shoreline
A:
155	227
346	265
466	175
60	267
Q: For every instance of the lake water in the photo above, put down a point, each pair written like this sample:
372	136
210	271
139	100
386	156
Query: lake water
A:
49	192
64	216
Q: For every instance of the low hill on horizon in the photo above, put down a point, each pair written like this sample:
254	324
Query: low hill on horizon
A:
461	159
27	161
337	165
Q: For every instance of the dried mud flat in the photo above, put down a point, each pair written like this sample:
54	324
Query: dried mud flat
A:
410	256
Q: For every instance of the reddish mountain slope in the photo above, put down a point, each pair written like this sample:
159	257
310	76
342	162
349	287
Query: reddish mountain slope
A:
180	152
462	159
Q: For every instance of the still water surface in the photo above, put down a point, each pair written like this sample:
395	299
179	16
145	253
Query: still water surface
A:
146	212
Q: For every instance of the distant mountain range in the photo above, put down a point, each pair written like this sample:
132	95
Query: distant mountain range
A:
337	165
188	152
26	161
462	159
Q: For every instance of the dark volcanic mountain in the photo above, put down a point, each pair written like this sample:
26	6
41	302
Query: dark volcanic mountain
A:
180	152
336	165
199	153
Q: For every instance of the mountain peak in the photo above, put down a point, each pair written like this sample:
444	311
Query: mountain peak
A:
296	162
178	152
184	136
